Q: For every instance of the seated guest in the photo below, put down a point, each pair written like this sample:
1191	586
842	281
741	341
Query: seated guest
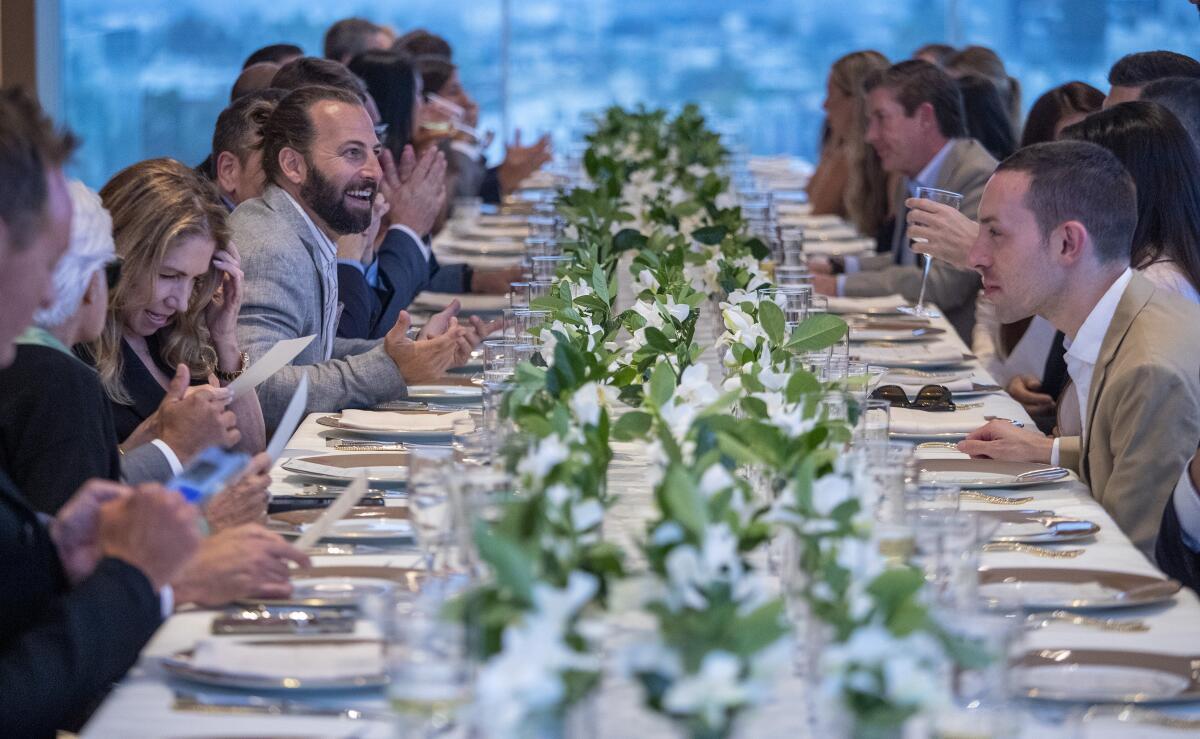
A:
935	54
1177	550
1058	108
82	589
172	315
987	120
419	43
983	62
916	125
237	147
1057	221
350	37
1133	72
275	54
253	78
1181	96
321	161
849	180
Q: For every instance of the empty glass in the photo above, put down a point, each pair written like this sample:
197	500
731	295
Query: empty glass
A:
945	197
545	226
546	268
931	496
430	673
518	294
540	289
428	500
498	354
875	421
788	275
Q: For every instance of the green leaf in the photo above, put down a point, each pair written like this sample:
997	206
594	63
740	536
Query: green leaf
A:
659	341
684	502
800	384
759	629
632	425
600	284
710	235
512	568
662	384
773	321
628	238
817	332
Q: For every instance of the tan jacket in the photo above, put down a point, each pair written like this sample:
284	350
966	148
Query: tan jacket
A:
965	170
1143	409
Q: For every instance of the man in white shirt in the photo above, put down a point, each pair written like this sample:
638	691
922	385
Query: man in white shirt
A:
1056	224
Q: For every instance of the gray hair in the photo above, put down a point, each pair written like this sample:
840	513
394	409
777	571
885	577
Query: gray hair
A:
90	249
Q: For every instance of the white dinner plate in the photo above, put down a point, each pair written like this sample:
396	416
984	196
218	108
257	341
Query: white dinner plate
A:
379	467
1099	683
1054	588
458	394
471	247
983	474
183	664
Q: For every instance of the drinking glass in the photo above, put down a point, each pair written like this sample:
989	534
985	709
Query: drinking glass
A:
875	421
518	294
428	500
931	496
527	325
498	354
788	275
945	197
545	269
544	226
430	674
539	289
791	244
818	304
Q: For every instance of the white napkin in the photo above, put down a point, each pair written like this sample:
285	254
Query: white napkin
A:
490	230
469	302
393	421
856	305
930	355
299	660
954	386
910	421
840	248
810	221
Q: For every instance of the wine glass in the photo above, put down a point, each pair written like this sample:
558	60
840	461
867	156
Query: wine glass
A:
945	197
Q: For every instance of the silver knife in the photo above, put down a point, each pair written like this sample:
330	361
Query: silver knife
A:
260	706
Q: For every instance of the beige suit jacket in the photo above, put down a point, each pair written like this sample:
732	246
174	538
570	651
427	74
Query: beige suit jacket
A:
1143	409
965	170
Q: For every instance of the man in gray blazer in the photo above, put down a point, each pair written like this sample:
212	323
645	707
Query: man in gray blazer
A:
320	156
918	128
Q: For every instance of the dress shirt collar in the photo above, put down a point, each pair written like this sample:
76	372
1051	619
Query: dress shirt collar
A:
1087	342
38	336
928	176
327	247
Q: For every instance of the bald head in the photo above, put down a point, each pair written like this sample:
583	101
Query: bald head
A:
255	77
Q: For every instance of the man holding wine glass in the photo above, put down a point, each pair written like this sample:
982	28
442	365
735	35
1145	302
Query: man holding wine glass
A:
917	126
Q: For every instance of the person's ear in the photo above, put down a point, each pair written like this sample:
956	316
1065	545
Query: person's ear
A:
229	172
97	289
1071	242
927	116
293	165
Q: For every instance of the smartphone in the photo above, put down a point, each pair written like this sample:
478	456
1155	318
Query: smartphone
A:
209	473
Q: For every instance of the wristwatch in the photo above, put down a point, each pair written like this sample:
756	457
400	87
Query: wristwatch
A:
231	376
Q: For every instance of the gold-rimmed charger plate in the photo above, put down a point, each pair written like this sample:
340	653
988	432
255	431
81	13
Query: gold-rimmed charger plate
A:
895	333
180	665
983	474
1054	588
383	468
333	421
363	523
1107	676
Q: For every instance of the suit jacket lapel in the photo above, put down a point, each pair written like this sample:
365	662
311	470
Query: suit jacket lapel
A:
1137	294
281	203
900	230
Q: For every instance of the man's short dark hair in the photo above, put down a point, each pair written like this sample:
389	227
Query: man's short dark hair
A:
915	82
1135	70
1181	96
239	127
255	77
349	37
29	145
1080	181
310	70
419	43
275	53
291	126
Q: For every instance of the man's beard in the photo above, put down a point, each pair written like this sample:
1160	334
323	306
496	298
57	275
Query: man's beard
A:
328	202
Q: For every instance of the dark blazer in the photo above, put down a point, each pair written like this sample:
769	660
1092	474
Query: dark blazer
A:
360	303
61	647
404	272
1173	556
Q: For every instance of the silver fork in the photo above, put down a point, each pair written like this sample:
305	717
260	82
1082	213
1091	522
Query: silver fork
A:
1043	619
1014	546
996	499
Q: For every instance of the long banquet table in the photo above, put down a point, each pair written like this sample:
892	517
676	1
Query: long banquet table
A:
141	705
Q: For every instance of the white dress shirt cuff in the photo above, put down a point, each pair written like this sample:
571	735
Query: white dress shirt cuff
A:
841	286
1054	452
169	453
425	251
850	265
166	598
1187	509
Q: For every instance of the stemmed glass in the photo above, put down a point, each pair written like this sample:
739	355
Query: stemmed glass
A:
945	197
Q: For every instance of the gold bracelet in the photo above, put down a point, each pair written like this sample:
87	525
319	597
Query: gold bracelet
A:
231	376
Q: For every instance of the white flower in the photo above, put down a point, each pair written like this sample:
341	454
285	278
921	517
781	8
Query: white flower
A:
772	380
549	452
586	404
714	480
648	310
829	492
666	533
678	311
649	657
559	494
743	328
695	387
587	515
579	289
646	281
711	692
690	571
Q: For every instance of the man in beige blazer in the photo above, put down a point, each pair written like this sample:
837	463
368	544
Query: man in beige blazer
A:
1056	223
917	126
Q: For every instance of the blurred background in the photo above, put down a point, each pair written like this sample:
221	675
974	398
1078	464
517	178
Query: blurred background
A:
147	78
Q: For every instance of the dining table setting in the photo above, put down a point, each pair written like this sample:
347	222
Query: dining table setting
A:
1094	640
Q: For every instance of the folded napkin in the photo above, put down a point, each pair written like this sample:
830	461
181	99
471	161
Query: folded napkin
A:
857	305
469	302
393	421
840	248
912	385
910	421
810	221
931	355
293	659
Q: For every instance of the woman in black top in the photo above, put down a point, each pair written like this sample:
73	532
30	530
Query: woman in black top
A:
175	308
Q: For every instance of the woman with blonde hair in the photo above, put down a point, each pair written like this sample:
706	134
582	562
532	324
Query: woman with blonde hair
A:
172	316
983	62
849	180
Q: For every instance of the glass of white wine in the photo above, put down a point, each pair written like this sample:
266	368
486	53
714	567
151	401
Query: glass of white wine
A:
945	197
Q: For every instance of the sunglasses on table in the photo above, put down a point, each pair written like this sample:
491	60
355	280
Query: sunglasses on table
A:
112	272
932	398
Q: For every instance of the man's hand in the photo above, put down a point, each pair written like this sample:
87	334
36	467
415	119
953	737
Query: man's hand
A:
415	189
495	281
1003	440
440	322
244	501
820	266
427	360
1023	389
75	531
242	562
190	420
949	234
153	529
522	161
825	284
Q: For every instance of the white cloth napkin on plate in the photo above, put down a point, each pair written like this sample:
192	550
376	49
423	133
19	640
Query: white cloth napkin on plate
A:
856	305
910	421
840	247
468	301
954	386
910	354
297	659
393	421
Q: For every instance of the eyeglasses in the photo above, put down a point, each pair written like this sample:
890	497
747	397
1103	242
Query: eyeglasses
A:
112	272
381	130
933	398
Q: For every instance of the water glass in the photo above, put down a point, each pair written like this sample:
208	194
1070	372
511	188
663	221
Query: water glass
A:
544	226
518	294
540	289
818	304
788	275
931	496
875	421
791	243
495	424
471	445
498	355
546	268
430	673
527	325
947	547
428	500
